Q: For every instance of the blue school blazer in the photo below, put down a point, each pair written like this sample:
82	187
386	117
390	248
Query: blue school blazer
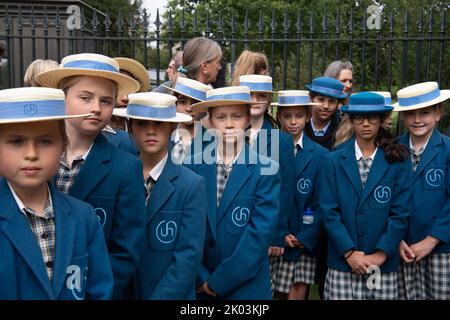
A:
111	181
201	140
369	219
287	166
431	193
235	262
122	140
308	164
175	235
81	265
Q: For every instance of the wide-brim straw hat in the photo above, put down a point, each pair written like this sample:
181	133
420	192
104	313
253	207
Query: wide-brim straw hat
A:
137	70
227	96
190	88
257	83
291	98
32	104
326	86
366	103
89	64
152	106
420	95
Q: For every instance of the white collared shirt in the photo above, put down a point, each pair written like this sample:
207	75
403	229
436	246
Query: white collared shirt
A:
299	142
219	158
109	129
322	132
20	203
359	154
411	146
158	169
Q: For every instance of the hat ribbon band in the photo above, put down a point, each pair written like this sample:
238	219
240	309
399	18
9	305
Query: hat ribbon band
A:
405	102
327	90
231	96
293	100
91	65
365	107
151	111
257	86
32	109
197	94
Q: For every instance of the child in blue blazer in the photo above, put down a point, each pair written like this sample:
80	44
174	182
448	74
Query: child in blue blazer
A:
51	244
187	139
365	204
91	169
298	266
270	142
242	195
176	210
425	251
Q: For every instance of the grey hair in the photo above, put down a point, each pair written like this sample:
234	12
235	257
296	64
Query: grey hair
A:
334	69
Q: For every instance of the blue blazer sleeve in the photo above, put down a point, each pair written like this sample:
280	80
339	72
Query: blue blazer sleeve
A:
441	226
100	277
129	227
287	175
181	274
329	209
400	211
254	242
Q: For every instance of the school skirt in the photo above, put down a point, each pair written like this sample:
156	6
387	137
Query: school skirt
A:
290	272
342	285
428	279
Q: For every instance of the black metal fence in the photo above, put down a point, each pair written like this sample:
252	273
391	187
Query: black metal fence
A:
388	50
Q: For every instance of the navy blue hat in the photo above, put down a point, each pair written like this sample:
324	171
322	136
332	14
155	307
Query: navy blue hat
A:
366	102
329	87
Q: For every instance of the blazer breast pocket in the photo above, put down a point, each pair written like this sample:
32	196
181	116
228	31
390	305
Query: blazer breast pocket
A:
434	177
239	214
76	278
163	230
103	207
305	185
381	196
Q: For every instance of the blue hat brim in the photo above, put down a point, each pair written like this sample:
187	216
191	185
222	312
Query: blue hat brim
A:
326	94
366	110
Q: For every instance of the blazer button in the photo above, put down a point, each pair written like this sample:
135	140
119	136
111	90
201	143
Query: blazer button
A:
362	213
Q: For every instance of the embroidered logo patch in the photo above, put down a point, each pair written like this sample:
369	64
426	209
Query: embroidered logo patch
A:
304	185
240	216
101	215
382	194
76	281
30	109
166	231
435	177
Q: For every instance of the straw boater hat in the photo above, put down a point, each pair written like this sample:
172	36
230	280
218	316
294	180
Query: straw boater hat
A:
366	103
153	106
326	86
88	64
190	88
33	104
257	82
137	70
419	96
386	95
227	96
289	98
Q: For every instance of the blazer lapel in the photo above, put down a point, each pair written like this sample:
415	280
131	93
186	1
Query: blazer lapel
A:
18	231
239	175
209	172
65	236
163	188
377	170
93	169
304	156
350	167
429	153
